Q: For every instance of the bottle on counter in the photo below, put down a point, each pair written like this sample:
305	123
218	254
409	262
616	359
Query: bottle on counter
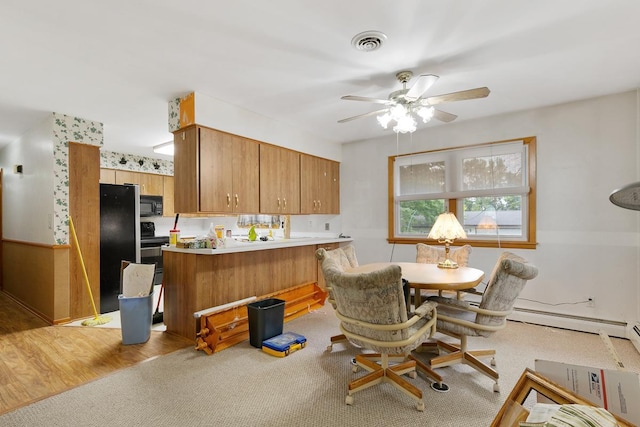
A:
174	235
252	233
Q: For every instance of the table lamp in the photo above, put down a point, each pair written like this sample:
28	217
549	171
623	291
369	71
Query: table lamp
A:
446	230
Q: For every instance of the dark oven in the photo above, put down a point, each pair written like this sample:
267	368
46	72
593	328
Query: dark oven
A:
151	248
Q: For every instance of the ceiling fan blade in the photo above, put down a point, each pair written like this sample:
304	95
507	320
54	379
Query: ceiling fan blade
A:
422	84
366	99
444	116
371	113
480	92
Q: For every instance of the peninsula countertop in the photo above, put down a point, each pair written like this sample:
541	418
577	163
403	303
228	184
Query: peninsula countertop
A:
234	246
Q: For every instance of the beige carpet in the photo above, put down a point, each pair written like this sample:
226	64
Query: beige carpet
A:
242	386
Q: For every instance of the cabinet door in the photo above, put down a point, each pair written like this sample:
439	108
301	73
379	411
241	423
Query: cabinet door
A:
319	185
279	180
290	181
270	198
308	196
334	185
246	175
185	170
107	176
150	184
216	168
167	197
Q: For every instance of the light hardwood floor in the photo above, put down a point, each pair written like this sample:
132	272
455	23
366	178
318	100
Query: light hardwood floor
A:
38	360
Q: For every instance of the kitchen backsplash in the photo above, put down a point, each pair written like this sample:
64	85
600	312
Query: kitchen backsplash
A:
301	225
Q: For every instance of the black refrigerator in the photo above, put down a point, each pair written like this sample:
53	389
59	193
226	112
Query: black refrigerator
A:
119	238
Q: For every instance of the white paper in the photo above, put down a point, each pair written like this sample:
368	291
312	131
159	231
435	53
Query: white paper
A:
614	390
137	279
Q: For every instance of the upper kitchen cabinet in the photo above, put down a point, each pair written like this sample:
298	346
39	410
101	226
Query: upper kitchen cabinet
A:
215	172
107	176
167	197
279	180
150	184
319	185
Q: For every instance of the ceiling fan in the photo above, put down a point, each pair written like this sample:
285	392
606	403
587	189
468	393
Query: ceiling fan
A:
403	104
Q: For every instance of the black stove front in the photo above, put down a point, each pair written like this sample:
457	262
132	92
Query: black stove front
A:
150	248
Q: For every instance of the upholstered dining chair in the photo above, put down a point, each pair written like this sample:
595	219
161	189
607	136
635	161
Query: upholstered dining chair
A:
433	254
345	257
427	254
373	316
462	319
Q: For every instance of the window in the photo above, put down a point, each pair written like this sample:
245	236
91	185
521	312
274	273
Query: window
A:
490	188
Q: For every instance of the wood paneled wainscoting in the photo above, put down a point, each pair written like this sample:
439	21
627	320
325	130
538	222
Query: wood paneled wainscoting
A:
37	276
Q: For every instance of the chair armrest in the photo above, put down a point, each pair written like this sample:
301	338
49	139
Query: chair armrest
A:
457	304
451	302
426	308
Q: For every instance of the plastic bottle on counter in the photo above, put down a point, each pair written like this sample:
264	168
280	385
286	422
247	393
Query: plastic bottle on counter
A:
212	232
174	235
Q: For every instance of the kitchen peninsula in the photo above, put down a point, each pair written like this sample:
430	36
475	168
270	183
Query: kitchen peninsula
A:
199	279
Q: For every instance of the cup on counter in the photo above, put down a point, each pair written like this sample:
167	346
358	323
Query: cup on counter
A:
229	234
174	235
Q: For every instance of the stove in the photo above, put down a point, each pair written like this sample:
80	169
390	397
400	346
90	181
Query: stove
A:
150	248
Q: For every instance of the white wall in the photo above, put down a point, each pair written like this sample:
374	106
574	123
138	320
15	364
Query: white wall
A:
28	202
587	247
220	115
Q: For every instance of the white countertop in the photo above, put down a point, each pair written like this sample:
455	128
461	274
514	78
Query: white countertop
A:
233	246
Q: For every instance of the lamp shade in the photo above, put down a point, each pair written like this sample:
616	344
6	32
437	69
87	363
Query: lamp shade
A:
447	227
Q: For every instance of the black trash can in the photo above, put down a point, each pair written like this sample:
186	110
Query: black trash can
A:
266	319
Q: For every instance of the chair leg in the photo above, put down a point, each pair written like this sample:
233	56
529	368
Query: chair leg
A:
335	339
437	385
382	372
460	354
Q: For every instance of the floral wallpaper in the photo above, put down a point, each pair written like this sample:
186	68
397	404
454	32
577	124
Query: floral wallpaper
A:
67	129
112	160
174	115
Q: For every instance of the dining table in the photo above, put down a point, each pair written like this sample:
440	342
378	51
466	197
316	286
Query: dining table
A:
429	276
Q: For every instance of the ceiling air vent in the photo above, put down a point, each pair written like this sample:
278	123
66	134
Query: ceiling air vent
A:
368	41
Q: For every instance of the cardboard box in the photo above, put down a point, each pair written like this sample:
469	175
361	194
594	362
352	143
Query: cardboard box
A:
617	391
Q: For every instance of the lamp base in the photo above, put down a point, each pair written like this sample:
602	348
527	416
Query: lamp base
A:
447	263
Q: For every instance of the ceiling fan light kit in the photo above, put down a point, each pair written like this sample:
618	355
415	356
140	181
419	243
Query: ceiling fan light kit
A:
404	104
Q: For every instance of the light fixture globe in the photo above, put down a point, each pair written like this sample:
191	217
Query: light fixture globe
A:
446	229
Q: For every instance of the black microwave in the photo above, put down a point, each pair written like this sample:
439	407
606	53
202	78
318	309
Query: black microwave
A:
150	205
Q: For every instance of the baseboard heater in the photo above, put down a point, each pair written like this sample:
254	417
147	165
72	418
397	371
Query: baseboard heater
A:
572	317
572	322
634	335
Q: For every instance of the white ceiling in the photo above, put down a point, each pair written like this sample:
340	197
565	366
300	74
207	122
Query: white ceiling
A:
120	62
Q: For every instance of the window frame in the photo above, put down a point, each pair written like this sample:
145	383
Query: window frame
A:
454	205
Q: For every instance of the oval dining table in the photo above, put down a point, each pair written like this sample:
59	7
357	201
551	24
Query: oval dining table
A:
429	276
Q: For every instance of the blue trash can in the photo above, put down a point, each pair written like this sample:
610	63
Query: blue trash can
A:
136	317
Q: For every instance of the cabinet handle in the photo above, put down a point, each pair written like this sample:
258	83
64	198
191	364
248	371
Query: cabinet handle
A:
237	200
319	204
285	203
228	200
278	202
314	205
